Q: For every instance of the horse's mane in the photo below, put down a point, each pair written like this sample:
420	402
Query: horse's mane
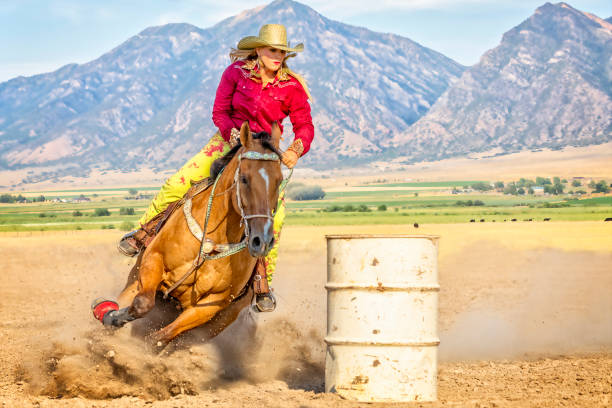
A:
221	162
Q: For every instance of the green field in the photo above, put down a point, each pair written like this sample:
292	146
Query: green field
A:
423	203
425	184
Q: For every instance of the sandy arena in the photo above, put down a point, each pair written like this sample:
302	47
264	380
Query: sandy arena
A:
525	320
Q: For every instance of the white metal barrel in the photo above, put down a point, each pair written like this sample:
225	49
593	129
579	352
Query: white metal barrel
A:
382	317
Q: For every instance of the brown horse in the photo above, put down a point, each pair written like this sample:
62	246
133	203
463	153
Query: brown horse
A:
242	207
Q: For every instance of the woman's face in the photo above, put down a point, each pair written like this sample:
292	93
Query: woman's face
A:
272	58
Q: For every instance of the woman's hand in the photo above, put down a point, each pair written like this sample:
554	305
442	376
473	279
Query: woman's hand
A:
289	158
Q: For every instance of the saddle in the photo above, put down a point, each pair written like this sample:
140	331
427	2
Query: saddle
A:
153	226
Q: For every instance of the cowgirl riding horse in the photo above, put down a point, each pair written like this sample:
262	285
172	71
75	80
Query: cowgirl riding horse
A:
258	87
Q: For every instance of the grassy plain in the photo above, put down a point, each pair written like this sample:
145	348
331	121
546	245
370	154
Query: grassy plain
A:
406	203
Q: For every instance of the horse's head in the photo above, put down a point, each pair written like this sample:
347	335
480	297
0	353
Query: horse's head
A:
258	178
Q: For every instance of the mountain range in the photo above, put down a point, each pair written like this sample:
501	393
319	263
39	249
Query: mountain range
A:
147	103
547	85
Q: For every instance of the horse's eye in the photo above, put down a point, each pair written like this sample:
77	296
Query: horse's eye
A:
244	180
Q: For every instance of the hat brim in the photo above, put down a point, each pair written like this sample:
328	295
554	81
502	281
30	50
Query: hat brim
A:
249	43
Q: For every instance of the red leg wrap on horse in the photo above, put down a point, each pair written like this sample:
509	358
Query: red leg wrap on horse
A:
104	307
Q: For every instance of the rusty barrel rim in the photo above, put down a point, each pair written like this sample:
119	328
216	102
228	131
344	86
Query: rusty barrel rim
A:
377	236
396	287
343	341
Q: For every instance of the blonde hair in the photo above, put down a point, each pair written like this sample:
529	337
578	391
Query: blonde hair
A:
236	54
246	55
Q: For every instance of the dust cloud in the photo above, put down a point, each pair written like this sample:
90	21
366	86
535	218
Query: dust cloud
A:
556	302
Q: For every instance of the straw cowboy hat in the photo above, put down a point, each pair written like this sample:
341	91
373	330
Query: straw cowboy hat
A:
270	35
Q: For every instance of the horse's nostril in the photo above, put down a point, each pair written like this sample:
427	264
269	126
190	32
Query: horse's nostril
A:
256	242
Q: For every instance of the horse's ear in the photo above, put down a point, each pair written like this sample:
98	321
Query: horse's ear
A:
276	134
245	134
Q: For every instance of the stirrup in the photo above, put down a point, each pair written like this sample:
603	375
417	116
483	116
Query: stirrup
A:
128	245
264	302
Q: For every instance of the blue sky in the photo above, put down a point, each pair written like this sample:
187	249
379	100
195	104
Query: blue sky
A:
42	35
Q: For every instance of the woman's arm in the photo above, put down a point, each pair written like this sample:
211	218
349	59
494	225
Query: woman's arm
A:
223	102
299	114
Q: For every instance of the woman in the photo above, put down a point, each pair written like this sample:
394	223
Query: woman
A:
257	87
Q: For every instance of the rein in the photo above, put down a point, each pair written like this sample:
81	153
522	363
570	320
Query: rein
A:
207	245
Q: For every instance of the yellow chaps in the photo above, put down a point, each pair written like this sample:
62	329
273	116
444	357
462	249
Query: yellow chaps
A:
197	168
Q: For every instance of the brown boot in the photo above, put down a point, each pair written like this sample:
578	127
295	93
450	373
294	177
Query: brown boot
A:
264	299
134	242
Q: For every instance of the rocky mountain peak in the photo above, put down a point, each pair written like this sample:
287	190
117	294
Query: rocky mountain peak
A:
545	85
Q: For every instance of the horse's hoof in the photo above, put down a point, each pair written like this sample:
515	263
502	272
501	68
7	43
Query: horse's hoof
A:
100	307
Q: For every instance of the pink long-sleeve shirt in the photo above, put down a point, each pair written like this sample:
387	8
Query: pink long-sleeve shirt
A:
241	97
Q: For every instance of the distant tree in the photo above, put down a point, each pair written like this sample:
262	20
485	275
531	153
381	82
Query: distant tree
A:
530	190
556	180
101	212
601	187
520	191
7	198
467	203
416	194
382	207
77	213
510	188
576	183
132	191
301	193
554	189
126	211
541	181
478	203
481	186
499	185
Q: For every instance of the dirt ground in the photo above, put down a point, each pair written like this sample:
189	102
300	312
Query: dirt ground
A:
525	320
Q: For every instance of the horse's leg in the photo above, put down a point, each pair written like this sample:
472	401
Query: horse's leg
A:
195	316
127	295
149	277
130	290
225	317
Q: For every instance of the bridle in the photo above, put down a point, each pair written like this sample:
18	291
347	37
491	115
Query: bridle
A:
250	155
207	246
